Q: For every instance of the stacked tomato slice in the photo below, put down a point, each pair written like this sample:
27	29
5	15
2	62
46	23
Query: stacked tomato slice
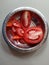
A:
22	30
33	35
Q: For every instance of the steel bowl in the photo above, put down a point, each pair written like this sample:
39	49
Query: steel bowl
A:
24	50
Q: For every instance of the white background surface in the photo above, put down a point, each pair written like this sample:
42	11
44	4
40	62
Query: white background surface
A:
9	57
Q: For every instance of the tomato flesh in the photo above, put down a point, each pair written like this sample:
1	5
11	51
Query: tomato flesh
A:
20	31
16	23
26	19
9	24
16	37
33	35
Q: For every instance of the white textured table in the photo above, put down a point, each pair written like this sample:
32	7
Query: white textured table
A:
9	57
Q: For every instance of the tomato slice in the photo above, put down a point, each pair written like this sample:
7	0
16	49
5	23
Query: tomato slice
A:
16	37
13	29
33	35
16	23
9	24
26	18
20	31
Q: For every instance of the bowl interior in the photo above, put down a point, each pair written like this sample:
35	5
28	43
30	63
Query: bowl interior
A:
37	22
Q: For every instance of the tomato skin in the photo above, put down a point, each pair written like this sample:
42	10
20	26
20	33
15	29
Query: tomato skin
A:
26	19
33	39
16	23
16	37
9	24
20	31
13	29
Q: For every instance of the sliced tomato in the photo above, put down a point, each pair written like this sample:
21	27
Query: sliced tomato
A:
26	18
13	22
9	24
16	23
20	31
16	37
33	35
14	29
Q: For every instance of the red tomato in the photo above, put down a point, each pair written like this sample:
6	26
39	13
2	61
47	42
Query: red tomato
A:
16	23
26	18
16	37
33	35
9	24
14	29
20	31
